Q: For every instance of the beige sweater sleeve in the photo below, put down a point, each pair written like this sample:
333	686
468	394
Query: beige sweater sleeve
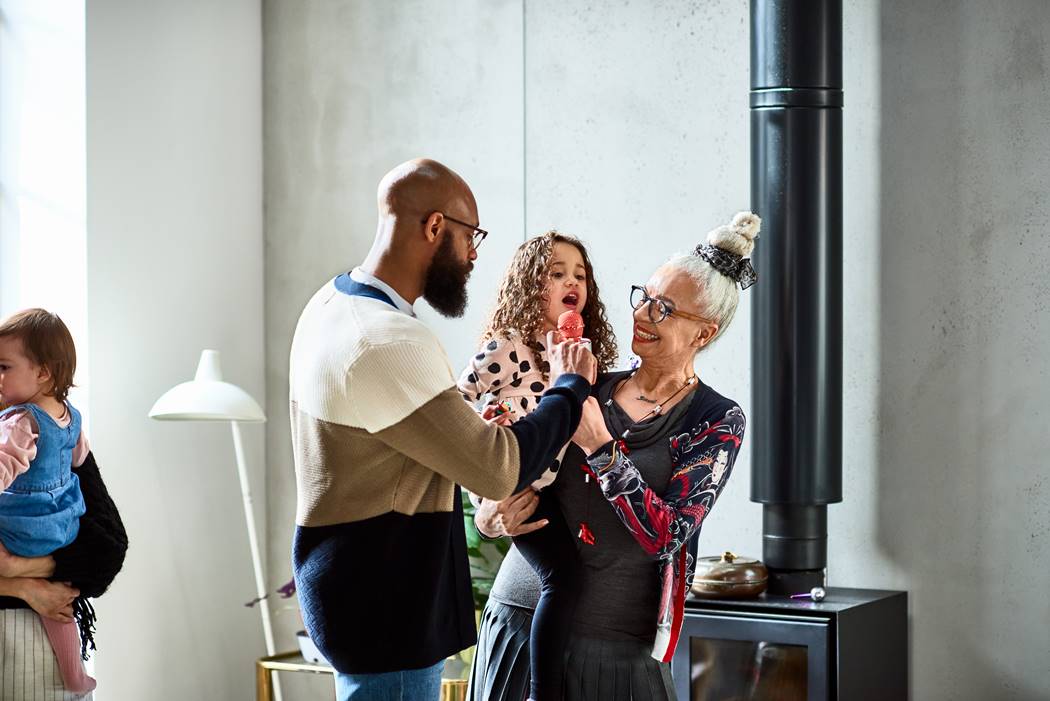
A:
447	436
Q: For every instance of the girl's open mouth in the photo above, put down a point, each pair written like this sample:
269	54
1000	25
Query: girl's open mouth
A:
571	300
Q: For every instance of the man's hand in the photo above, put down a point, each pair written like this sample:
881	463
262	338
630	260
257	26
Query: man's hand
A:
52	600
500	518
567	357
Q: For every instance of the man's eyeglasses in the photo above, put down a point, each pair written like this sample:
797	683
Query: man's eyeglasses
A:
477	237
659	309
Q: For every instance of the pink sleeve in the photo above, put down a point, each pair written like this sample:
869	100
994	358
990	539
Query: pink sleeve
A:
81	450
17	446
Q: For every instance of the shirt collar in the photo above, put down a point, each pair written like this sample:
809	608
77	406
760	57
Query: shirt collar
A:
359	275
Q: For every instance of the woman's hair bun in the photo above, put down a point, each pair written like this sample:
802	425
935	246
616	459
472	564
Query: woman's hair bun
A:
738	236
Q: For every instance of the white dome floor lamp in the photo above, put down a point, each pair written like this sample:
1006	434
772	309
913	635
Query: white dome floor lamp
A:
208	398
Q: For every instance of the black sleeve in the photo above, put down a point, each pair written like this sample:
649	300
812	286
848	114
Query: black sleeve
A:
92	561
551	424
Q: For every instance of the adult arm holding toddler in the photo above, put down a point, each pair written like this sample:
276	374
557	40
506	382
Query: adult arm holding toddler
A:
52	600
86	567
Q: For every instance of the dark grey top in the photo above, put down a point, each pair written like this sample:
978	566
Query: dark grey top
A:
621	587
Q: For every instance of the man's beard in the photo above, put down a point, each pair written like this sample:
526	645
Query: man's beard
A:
445	288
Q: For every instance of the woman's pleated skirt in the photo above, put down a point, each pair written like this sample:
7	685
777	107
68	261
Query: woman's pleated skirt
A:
595	670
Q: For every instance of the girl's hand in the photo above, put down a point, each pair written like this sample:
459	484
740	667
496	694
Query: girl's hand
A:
495	414
592	432
52	600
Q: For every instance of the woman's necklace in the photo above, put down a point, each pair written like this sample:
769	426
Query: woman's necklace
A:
656	410
585	533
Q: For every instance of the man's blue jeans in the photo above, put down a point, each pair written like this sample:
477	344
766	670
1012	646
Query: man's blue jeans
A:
407	685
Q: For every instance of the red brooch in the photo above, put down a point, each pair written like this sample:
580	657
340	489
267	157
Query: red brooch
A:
585	533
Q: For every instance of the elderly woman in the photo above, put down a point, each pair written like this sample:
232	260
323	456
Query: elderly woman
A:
654	450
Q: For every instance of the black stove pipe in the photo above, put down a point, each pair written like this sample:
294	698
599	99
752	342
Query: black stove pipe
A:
796	313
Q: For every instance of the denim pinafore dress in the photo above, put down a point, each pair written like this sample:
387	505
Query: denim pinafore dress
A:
40	511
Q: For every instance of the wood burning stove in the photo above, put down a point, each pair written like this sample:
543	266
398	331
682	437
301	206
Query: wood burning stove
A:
853	645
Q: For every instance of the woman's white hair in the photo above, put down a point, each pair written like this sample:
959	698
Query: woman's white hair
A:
717	294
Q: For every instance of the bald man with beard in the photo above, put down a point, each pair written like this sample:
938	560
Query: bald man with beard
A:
381	438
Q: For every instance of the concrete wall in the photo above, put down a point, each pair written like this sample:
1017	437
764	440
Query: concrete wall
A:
961	494
175	264
628	128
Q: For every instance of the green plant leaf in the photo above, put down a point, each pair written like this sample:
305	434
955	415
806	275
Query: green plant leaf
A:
485	556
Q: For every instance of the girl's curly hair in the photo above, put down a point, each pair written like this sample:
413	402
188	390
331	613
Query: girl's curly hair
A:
520	308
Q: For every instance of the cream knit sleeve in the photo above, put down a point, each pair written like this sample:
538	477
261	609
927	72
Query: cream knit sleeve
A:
388	382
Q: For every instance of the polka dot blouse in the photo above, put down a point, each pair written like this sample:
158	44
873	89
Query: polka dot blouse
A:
505	369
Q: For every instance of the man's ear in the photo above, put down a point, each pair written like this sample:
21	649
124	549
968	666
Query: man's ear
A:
432	226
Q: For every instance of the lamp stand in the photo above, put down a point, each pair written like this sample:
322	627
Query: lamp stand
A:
253	541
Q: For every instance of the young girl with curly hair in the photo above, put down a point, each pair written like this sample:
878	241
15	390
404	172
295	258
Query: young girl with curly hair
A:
548	276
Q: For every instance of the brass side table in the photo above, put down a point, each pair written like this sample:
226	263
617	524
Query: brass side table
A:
451	689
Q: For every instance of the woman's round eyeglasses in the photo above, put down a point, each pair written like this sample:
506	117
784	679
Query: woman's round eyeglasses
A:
659	309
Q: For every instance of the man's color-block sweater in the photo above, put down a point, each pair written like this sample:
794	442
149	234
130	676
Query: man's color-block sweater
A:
381	437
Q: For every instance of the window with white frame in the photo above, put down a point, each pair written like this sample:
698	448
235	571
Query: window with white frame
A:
43	237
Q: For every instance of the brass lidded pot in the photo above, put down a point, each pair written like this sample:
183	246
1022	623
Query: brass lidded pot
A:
729	576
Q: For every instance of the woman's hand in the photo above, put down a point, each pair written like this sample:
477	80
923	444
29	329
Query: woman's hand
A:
52	600
499	518
592	433
15	566
567	357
